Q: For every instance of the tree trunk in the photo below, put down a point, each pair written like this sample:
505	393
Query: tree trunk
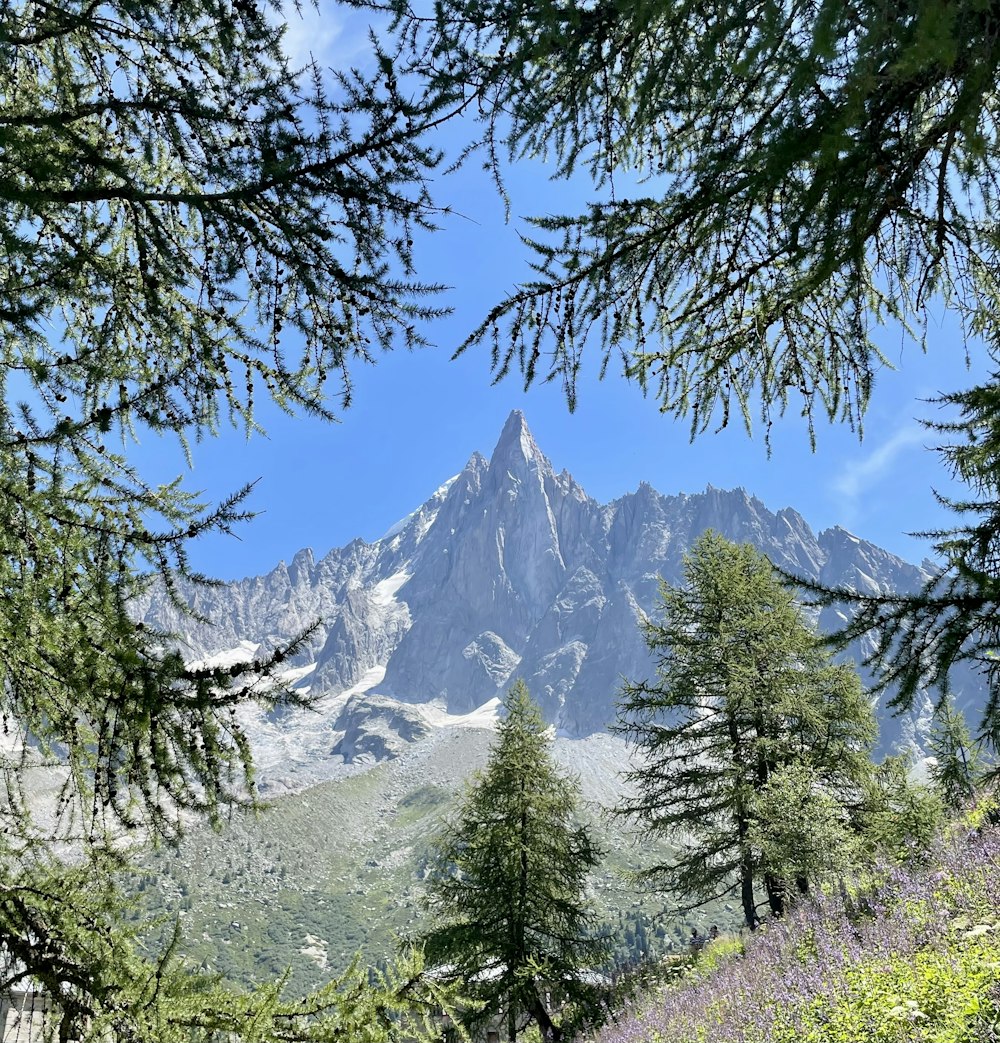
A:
775	895
549	1029
742	832
746	896
519	954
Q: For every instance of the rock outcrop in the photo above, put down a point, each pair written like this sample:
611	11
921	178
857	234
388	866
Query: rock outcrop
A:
509	570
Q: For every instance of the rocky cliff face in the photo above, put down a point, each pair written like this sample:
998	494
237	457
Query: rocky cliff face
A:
508	570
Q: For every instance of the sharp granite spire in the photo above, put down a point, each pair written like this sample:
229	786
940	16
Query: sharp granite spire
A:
508	570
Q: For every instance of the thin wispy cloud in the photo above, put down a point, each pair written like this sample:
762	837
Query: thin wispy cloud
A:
859	477
320	35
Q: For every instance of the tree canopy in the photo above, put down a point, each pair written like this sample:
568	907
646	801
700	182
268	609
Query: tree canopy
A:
188	225
753	745
507	886
772	181
175	199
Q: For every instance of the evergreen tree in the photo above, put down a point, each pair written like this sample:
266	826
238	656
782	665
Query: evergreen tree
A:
772	181
956	769
506	889
800	830
955	617
899	816
175	201
744	693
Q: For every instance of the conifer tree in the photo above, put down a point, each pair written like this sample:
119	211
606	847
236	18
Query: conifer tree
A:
744	692
956	768
188	225
899	816
507	886
954	619
800	830
771	182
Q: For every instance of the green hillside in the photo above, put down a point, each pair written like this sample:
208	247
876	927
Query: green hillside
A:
322	875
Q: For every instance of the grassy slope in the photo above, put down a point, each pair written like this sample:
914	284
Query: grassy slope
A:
912	955
336	869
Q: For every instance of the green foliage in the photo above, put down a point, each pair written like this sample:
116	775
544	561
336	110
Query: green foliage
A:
899	817
930	994
312	865
771	182
985	811
64	932
746	720
717	952
956	770
914	956
174	200
801	831
507	886
173	196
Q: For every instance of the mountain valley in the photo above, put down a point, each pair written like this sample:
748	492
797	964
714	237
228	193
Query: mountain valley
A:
507	570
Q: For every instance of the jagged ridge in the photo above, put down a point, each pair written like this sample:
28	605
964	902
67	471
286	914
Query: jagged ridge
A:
509	569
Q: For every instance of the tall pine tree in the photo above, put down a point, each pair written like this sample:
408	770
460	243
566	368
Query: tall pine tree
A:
744	691
507	887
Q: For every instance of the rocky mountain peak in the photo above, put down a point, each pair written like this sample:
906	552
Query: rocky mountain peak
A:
302	565
508	570
516	451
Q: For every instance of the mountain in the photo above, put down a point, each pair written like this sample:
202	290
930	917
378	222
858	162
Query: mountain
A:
508	570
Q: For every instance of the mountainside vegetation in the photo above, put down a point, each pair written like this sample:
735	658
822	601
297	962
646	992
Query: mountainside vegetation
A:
289	903
897	953
339	869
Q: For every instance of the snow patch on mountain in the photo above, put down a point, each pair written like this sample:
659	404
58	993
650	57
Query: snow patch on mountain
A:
485	716
478	587
384	593
244	652
294	677
439	494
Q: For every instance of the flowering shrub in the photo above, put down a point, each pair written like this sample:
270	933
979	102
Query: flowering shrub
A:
912	956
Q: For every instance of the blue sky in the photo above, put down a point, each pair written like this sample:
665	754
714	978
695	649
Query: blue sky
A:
417	417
